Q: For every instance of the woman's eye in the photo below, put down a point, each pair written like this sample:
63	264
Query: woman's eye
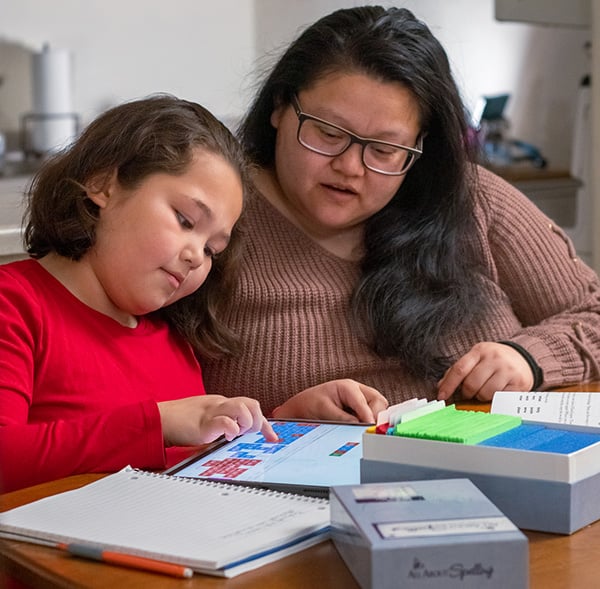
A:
381	149
184	221
329	132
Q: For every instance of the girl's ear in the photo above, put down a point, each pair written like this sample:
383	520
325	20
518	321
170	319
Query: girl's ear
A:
99	188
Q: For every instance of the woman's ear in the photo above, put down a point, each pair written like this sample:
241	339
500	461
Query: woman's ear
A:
277	114
99	188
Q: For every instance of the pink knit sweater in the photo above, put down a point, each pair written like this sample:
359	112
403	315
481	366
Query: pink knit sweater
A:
291	306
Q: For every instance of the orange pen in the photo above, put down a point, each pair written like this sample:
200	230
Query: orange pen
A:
127	560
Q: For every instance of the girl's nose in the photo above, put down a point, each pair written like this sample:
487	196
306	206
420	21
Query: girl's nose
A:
193	255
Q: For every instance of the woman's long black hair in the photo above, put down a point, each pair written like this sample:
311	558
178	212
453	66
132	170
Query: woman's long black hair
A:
418	272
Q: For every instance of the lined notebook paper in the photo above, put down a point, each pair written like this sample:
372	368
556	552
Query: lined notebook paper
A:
213	528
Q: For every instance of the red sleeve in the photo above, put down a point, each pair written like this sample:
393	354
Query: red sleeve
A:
34	453
72	435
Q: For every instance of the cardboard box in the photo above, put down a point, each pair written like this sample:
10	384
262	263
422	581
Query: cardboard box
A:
426	534
544	491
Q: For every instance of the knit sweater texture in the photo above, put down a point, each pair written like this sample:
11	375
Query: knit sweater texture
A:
291	306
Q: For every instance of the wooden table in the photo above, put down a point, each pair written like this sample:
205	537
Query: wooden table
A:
556	561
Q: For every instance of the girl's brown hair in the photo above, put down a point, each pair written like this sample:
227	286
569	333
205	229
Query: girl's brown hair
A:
138	138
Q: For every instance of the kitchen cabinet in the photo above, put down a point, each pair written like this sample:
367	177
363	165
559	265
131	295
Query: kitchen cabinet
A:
11	211
554	191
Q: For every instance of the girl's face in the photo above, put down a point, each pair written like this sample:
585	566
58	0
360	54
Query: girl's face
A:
330	195
155	243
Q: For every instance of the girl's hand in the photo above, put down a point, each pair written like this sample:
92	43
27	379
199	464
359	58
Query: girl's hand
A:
336	400
486	368
198	420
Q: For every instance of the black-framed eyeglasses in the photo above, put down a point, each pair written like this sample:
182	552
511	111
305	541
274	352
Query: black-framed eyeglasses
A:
331	140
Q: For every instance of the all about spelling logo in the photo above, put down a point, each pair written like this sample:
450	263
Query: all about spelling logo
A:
457	570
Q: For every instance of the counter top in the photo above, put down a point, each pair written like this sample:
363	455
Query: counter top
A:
527	173
11	211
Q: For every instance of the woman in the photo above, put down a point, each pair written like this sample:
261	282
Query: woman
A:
380	259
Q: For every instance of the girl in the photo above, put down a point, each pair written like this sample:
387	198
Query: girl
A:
98	329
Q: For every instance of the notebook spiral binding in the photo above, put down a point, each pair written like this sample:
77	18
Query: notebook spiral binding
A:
230	487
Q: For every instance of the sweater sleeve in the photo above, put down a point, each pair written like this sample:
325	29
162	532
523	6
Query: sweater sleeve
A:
555	296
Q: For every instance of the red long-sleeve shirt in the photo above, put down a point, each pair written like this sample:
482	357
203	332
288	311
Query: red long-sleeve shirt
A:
79	391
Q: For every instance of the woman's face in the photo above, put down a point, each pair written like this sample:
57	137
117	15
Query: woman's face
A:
331	195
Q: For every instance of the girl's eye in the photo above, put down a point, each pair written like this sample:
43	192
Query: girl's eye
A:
210	253
184	221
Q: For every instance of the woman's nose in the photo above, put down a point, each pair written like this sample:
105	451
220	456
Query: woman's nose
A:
350	161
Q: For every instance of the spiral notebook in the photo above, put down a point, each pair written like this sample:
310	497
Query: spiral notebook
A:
213	528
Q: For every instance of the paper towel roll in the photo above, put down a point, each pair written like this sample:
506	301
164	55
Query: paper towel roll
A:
54	123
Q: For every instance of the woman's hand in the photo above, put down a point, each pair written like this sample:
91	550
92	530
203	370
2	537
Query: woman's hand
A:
486	368
336	400
198	420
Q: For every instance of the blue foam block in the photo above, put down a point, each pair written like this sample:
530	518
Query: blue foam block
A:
542	439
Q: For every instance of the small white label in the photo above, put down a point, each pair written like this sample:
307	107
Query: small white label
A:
376	493
445	527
